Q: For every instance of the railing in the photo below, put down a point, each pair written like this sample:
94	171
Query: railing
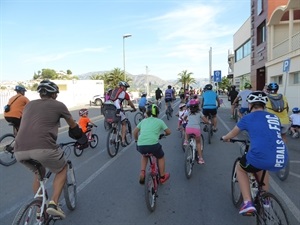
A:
283	47
296	41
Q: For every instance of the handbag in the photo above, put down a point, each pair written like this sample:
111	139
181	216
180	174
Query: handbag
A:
7	107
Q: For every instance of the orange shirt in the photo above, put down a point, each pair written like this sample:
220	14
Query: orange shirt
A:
16	108
83	122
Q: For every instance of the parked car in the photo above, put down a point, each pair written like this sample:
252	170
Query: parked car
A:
97	100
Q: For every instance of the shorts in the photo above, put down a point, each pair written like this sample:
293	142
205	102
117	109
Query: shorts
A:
158	97
190	130
155	150
53	159
123	116
248	167
206	112
243	110
142	109
181	96
15	121
168	100
295	126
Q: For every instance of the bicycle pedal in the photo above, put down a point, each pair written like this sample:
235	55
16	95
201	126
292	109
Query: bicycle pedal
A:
249	214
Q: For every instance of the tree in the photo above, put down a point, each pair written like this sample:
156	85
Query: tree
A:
69	72
185	78
224	84
96	77
45	74
112	78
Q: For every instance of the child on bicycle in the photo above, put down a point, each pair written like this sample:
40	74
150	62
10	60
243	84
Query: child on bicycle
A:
84	120
295	119
146	134
180	114
268	150
143	102
193	126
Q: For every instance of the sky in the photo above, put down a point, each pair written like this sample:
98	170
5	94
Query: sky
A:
168	36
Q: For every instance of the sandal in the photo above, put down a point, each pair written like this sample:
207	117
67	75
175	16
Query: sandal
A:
123	144
201	161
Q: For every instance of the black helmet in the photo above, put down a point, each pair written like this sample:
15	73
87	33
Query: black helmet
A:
273	87
169	86
20	88
208	87
152	110
47	86
124	84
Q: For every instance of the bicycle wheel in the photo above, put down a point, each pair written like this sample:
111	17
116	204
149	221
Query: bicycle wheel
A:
113	142
7	157
236	115
284	173
94	141
182	140
138	118
209	133
202	142
28	214
70	188
150	192
128	135
236	194
167	114
78	152
270	211
188	161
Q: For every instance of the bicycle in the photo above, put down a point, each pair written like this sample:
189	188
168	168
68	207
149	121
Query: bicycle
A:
269	210
34	212
191	155
152	181
92	140
139	116
114	135
169	110
7	142
209	129
236	112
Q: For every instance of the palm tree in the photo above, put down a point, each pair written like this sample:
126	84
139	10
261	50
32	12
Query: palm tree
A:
185	78
96	77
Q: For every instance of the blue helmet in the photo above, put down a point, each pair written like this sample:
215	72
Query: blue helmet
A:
20	88
273	87
296	110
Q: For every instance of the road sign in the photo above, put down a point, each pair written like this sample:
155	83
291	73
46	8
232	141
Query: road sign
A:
217	76
286	65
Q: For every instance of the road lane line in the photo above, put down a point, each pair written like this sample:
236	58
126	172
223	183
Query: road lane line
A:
290	205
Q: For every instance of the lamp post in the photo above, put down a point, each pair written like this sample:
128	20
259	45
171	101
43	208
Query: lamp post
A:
124	36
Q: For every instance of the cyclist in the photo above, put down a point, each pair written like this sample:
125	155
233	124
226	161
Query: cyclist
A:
268	150
181	94
210	103
37	138
194	117
283	114
107	94
232	95
181	113
121	96
158	95
17	104
169	95
146	134
243	96
143	102
84	120
295	119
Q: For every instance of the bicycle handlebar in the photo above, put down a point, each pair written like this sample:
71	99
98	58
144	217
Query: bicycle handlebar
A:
246	142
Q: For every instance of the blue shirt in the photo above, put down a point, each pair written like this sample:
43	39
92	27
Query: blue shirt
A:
169	94
209	99
142	102
267	149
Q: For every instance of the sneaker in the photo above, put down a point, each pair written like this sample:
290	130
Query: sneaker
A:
266	203
247	209
185	142
295	135
163	180
201	161
54	210
205	128
123	144
215	129
142	177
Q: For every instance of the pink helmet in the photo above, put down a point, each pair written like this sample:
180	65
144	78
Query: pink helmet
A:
194	102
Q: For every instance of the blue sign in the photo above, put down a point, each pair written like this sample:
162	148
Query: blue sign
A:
286	65
217	76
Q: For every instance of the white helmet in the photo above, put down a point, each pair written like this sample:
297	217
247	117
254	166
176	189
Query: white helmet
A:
257	96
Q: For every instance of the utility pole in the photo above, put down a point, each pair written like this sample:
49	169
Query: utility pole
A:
147	81
210	66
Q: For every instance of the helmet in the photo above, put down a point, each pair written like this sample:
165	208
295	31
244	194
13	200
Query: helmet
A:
195	96
247	85
83	112
257	96
194	102
144	94
182	105
296	110
124	84
169	86
208	87
273	87
109	89
20	88
233	87
48	86
152	110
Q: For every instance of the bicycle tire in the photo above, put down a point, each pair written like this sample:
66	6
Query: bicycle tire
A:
78	152
182	140
94	142
70	187
112	143
7	157
284	173
274	214
150	192
188	162
138	117
236	115
128	135
209	130
27	214
167	114
202	142
236	194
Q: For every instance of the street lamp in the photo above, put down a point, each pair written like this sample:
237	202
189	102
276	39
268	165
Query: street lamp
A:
124	36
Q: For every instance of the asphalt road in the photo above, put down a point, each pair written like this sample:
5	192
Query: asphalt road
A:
109	192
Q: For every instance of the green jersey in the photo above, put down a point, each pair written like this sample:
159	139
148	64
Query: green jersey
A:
150	129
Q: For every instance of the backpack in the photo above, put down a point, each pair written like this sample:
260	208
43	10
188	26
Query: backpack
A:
277	103
115	93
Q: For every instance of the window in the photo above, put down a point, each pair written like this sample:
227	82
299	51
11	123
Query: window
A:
259	6
277	79
296	77
261	33
243	51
